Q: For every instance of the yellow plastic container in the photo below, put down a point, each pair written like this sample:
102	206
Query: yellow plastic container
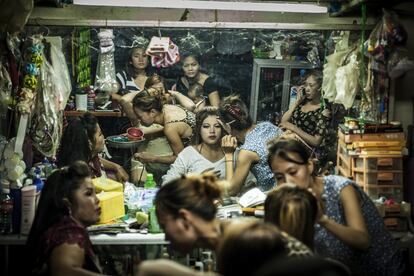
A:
107	185
112	206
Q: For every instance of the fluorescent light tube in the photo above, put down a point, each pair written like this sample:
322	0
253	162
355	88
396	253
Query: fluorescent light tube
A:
208	5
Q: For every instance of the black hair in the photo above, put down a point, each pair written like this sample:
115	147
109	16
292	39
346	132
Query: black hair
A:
317	74
247	246
148	99
234	111
77	139
187	55
59	186
129	68
283	147
155	79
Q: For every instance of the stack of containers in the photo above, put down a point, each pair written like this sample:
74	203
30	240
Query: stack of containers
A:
373	158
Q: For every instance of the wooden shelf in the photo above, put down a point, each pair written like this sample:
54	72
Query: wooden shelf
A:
379	186
344	172
105	113
361	170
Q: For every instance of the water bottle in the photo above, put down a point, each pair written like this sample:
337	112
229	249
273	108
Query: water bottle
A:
148	196
6	209
150	183
38	182
153	225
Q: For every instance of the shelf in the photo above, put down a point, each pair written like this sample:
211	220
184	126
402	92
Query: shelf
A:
106	113
361	170
343	159
354	6
376	186
344	172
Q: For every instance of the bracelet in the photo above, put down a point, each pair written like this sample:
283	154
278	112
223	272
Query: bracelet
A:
229	161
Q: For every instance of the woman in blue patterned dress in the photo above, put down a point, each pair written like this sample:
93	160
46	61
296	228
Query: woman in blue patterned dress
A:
349	227
253	153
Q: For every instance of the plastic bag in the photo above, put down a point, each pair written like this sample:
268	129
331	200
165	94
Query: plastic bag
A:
163	52
105	81
334	61
347	82
387	33
46	123
5	86
60	68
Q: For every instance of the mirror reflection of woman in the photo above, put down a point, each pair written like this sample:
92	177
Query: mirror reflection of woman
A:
177	123
134	76
306	120
83	140
131	80
238	124
192	75
206	153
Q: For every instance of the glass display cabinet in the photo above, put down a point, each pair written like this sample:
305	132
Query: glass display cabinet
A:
271	83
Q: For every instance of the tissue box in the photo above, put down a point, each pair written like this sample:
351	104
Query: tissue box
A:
112	206
107	185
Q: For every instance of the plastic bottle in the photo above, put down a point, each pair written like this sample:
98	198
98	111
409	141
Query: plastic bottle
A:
150	190
81	100
208	261
149	183
16	195
28	208
91	99
6	209
153	225
38	182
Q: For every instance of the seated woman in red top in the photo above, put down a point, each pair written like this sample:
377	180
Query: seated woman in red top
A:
58	242
83	140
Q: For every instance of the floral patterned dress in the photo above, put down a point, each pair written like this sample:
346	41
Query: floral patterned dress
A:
313	123
256	141
381	258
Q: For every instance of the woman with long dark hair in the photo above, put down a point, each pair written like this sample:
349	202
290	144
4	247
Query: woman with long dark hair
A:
58	242
83	140
349	228
206	153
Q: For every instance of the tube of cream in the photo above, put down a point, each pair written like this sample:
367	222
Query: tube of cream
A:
28	208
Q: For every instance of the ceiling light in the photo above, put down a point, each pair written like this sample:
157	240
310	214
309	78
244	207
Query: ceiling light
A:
208	5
